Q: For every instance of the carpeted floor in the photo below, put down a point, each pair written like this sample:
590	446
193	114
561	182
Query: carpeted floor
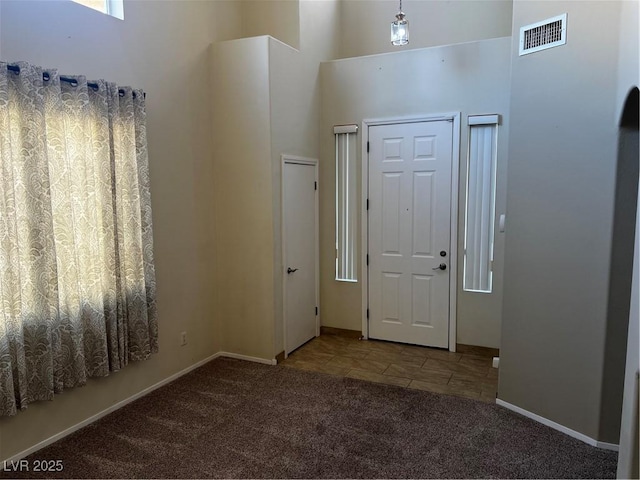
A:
235	419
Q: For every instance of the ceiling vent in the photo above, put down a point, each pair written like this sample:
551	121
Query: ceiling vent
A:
542	35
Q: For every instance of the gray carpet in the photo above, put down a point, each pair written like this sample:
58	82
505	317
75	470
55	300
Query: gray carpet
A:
235	419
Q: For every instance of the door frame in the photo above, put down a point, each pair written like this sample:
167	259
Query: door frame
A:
454	118
294	159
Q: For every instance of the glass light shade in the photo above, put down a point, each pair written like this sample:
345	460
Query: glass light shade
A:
400	30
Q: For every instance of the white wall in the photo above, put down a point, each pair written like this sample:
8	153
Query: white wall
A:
162	47
471	78
365	25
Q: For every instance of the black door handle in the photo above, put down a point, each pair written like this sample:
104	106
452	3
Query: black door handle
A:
291	270
442	266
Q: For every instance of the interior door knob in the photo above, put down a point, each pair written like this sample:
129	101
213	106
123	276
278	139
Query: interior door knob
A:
442	266
291	270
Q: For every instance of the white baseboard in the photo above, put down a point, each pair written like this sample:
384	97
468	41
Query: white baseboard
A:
122	403
247	358
557	426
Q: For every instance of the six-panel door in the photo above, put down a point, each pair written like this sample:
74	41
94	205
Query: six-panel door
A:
409	232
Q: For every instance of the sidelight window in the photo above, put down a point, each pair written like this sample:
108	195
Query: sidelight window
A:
481	203
346	203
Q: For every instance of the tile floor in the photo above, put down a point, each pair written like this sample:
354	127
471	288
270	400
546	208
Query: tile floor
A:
467	373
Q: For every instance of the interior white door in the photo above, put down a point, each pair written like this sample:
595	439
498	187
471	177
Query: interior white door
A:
410	232
300	246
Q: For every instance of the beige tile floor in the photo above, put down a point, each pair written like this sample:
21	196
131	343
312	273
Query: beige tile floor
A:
467	373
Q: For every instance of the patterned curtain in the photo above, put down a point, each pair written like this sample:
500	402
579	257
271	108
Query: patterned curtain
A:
77	281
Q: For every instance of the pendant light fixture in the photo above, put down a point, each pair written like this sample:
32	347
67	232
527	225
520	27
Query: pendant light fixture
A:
400	29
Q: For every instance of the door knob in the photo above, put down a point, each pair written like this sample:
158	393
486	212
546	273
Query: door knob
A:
291	270
442	266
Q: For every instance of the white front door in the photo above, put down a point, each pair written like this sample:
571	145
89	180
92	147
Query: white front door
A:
410	232
299	256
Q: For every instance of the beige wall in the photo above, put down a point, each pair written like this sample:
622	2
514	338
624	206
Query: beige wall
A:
242	196
263	107
471	78
296	108
162	47
200	188
295	111
320	30
560	201
278	98
629	53
628	465
365	24
278	18
629	76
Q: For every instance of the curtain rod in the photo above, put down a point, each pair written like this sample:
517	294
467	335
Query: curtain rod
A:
72	81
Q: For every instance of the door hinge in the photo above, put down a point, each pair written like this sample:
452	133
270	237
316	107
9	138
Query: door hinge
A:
367	313
367	147
315	185
367	259
316	311
367	204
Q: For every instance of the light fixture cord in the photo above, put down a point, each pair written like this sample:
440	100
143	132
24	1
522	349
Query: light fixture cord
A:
400	5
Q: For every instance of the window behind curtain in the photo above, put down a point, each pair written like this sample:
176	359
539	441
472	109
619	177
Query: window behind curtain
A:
77	281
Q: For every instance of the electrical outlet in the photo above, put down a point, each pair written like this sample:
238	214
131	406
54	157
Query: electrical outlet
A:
183	339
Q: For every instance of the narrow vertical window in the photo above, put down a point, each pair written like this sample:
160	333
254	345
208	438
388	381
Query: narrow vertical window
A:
346	203
481	203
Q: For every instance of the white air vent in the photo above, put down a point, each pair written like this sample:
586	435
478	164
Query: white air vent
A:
542	35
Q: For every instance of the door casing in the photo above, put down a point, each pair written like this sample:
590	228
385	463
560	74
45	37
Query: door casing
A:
454	118
314	163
